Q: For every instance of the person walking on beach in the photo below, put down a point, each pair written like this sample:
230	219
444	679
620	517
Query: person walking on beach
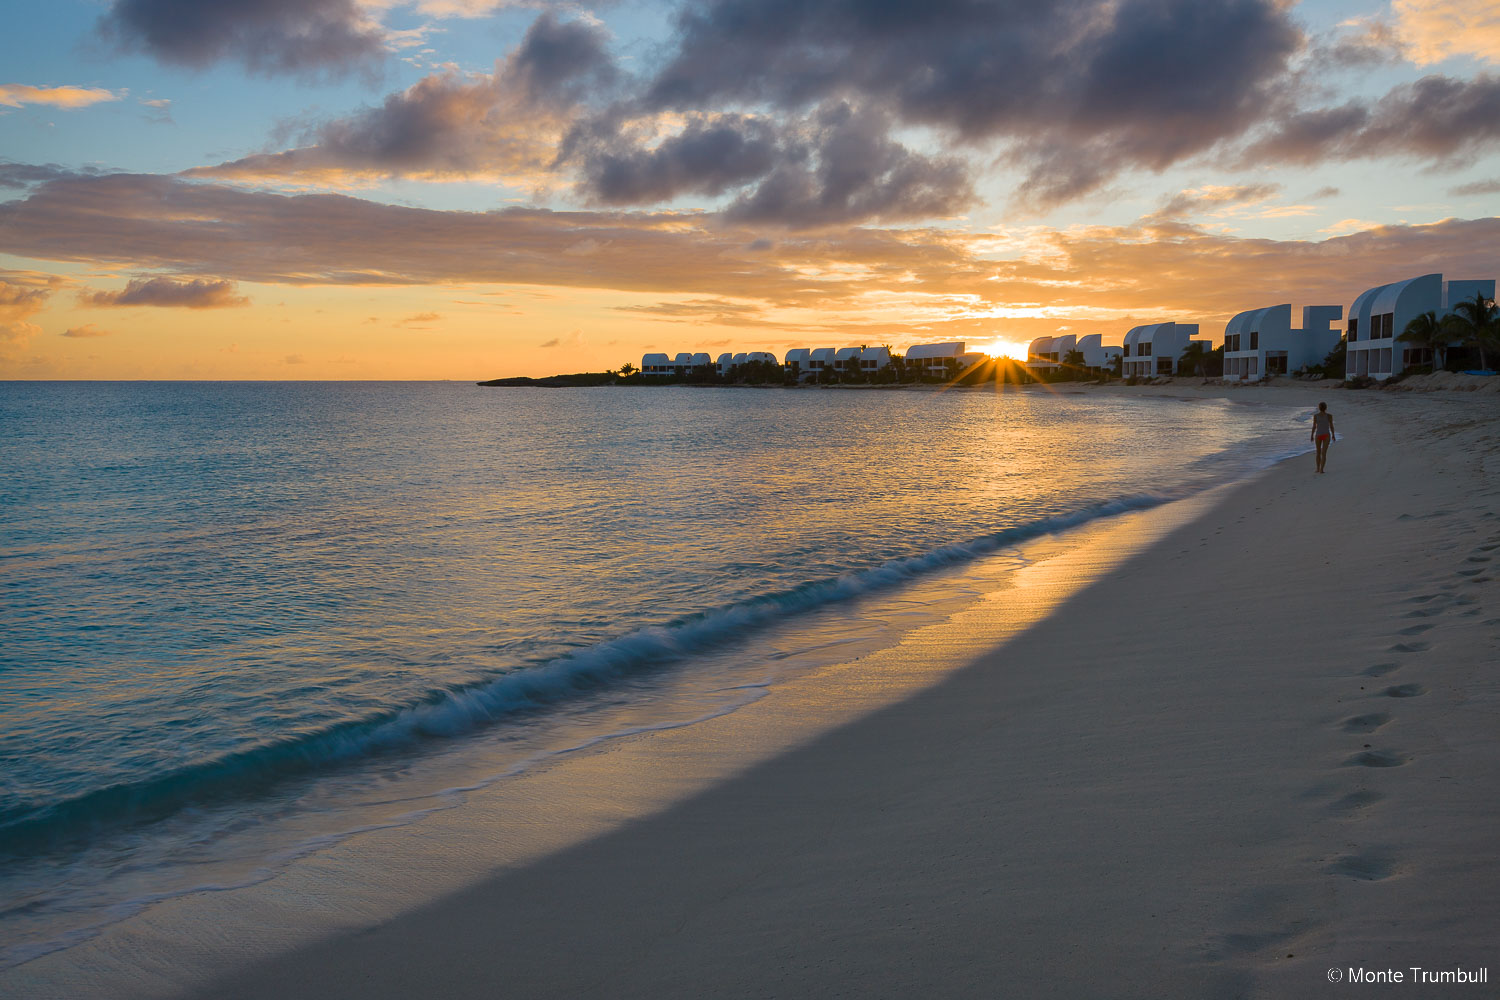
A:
1322	432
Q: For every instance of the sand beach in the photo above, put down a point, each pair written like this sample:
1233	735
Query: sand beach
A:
1260	754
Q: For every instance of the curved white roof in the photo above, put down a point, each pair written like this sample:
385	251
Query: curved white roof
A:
762	356
797	354
1255	319
822	354
875	353
846	353
654	359
952	349
1040	345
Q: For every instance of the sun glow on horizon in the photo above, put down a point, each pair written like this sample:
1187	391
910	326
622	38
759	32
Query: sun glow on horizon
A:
1015	350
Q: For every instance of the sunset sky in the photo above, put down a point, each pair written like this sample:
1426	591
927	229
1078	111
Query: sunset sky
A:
468	189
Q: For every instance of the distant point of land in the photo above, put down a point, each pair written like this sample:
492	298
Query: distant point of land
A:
559	381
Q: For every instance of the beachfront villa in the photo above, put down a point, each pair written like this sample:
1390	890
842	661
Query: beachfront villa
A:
846	359
796	363
935	359
1153	349
1047	353
1259	343
872	359
1381	314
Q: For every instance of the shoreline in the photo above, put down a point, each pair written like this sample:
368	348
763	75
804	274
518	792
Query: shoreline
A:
702	855
1169	802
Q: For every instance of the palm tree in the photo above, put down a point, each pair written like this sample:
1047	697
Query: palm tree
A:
1194	358
1427	332
1476	322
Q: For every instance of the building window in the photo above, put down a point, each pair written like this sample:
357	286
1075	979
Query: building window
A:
1254	340
1353	329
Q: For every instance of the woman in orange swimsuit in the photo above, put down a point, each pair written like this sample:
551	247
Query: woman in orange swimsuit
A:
1322	432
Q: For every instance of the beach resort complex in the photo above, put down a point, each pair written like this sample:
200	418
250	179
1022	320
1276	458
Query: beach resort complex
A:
1258	343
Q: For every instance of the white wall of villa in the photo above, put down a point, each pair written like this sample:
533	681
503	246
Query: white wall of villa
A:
1047	353
933	359
872	359
1262	342
796	363
1380	314
1153	349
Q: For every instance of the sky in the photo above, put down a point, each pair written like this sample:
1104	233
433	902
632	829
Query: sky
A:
468	189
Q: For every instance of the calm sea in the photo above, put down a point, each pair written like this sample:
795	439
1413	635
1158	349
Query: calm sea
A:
241	621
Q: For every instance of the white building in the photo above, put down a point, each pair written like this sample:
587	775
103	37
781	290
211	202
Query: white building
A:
657	364
819	360
1381	314
1153	349
765	357
1048	353
872	359
934	359
1262	342
796	363
846	359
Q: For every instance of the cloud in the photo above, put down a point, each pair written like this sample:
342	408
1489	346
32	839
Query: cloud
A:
1093	86
864	282
1328	191
294	359
15	95
451	125
1476	188
423	317
86	330
1433	30
17	305
194	293
1214	198
308	38
1443	120
836	167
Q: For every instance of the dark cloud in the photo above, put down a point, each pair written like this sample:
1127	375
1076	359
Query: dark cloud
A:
1324	192
303	37
193	293
1439	119
23	175
454	125
709	156
1476	188
1080	88
839	166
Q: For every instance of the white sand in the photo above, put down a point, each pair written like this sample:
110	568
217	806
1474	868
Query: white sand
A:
1268	747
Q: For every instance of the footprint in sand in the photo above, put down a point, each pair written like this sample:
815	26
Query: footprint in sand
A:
1356	801
1416	629
1470	572
1377	758
1423	598
1365	867
1366	723
1404	691
1379	670
1477	559
1424	613
1410	647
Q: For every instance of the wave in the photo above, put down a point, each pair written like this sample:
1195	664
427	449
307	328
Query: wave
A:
448	713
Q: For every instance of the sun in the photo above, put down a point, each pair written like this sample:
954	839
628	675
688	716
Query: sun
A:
999	348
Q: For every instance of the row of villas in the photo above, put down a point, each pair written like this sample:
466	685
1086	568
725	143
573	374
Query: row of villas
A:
806	364
1262	342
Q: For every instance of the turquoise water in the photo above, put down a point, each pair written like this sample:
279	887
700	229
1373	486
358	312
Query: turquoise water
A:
243	619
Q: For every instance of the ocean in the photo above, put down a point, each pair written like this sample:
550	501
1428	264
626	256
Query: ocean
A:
243	622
